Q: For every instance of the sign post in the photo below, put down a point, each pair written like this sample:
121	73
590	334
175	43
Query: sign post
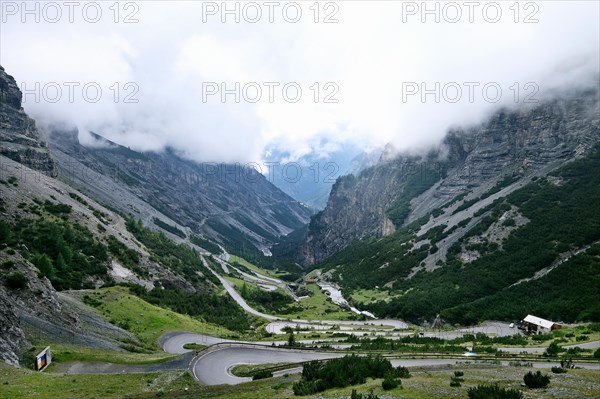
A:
43	359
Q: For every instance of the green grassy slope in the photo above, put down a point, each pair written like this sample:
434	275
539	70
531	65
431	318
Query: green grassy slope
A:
148	322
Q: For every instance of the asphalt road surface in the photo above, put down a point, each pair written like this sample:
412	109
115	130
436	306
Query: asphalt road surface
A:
214	367
173	342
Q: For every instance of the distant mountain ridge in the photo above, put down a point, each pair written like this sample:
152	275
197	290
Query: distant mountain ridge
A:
230	204
310	177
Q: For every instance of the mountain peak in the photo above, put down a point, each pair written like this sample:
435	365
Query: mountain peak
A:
19	137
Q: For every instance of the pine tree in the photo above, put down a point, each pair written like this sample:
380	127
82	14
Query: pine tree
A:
291	339
61	265
64	250
44	265
244	291
4	232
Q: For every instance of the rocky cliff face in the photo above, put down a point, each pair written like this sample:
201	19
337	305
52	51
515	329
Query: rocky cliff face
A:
401	189
516	142
38	299
19	137
12	338
357	208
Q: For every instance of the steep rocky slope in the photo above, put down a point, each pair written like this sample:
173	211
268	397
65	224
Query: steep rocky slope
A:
231	204
55	238
512	144
514	250
19	137
500	221
42	217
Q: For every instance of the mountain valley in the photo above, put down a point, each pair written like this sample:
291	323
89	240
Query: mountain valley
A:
154	272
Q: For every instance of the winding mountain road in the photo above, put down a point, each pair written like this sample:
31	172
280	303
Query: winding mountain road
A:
214	364
174	342
280	323
213	367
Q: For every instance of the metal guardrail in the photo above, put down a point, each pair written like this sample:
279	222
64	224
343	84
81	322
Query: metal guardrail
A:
397	355
505	357
429	355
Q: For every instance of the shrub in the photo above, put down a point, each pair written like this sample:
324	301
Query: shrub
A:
536	380
390	383
291	342
167	227
5	234
302	388
16	280
342	372
262	374
542	337
597	353
552	350
567	364
520	364
91	301
510	222
57	209
558	370
8	264
356	395
44	265
206	244
456	379
576	351
402	372
493	392
455	382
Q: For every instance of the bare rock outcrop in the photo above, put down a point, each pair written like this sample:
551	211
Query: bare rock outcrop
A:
19	137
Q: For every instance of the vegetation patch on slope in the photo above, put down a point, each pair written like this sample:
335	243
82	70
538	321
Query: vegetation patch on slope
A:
207	306
180	258
562	218
416	184
65	252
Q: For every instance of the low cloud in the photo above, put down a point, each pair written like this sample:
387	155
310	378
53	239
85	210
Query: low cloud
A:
357	77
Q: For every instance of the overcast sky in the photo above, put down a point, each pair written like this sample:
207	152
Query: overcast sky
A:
173	58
